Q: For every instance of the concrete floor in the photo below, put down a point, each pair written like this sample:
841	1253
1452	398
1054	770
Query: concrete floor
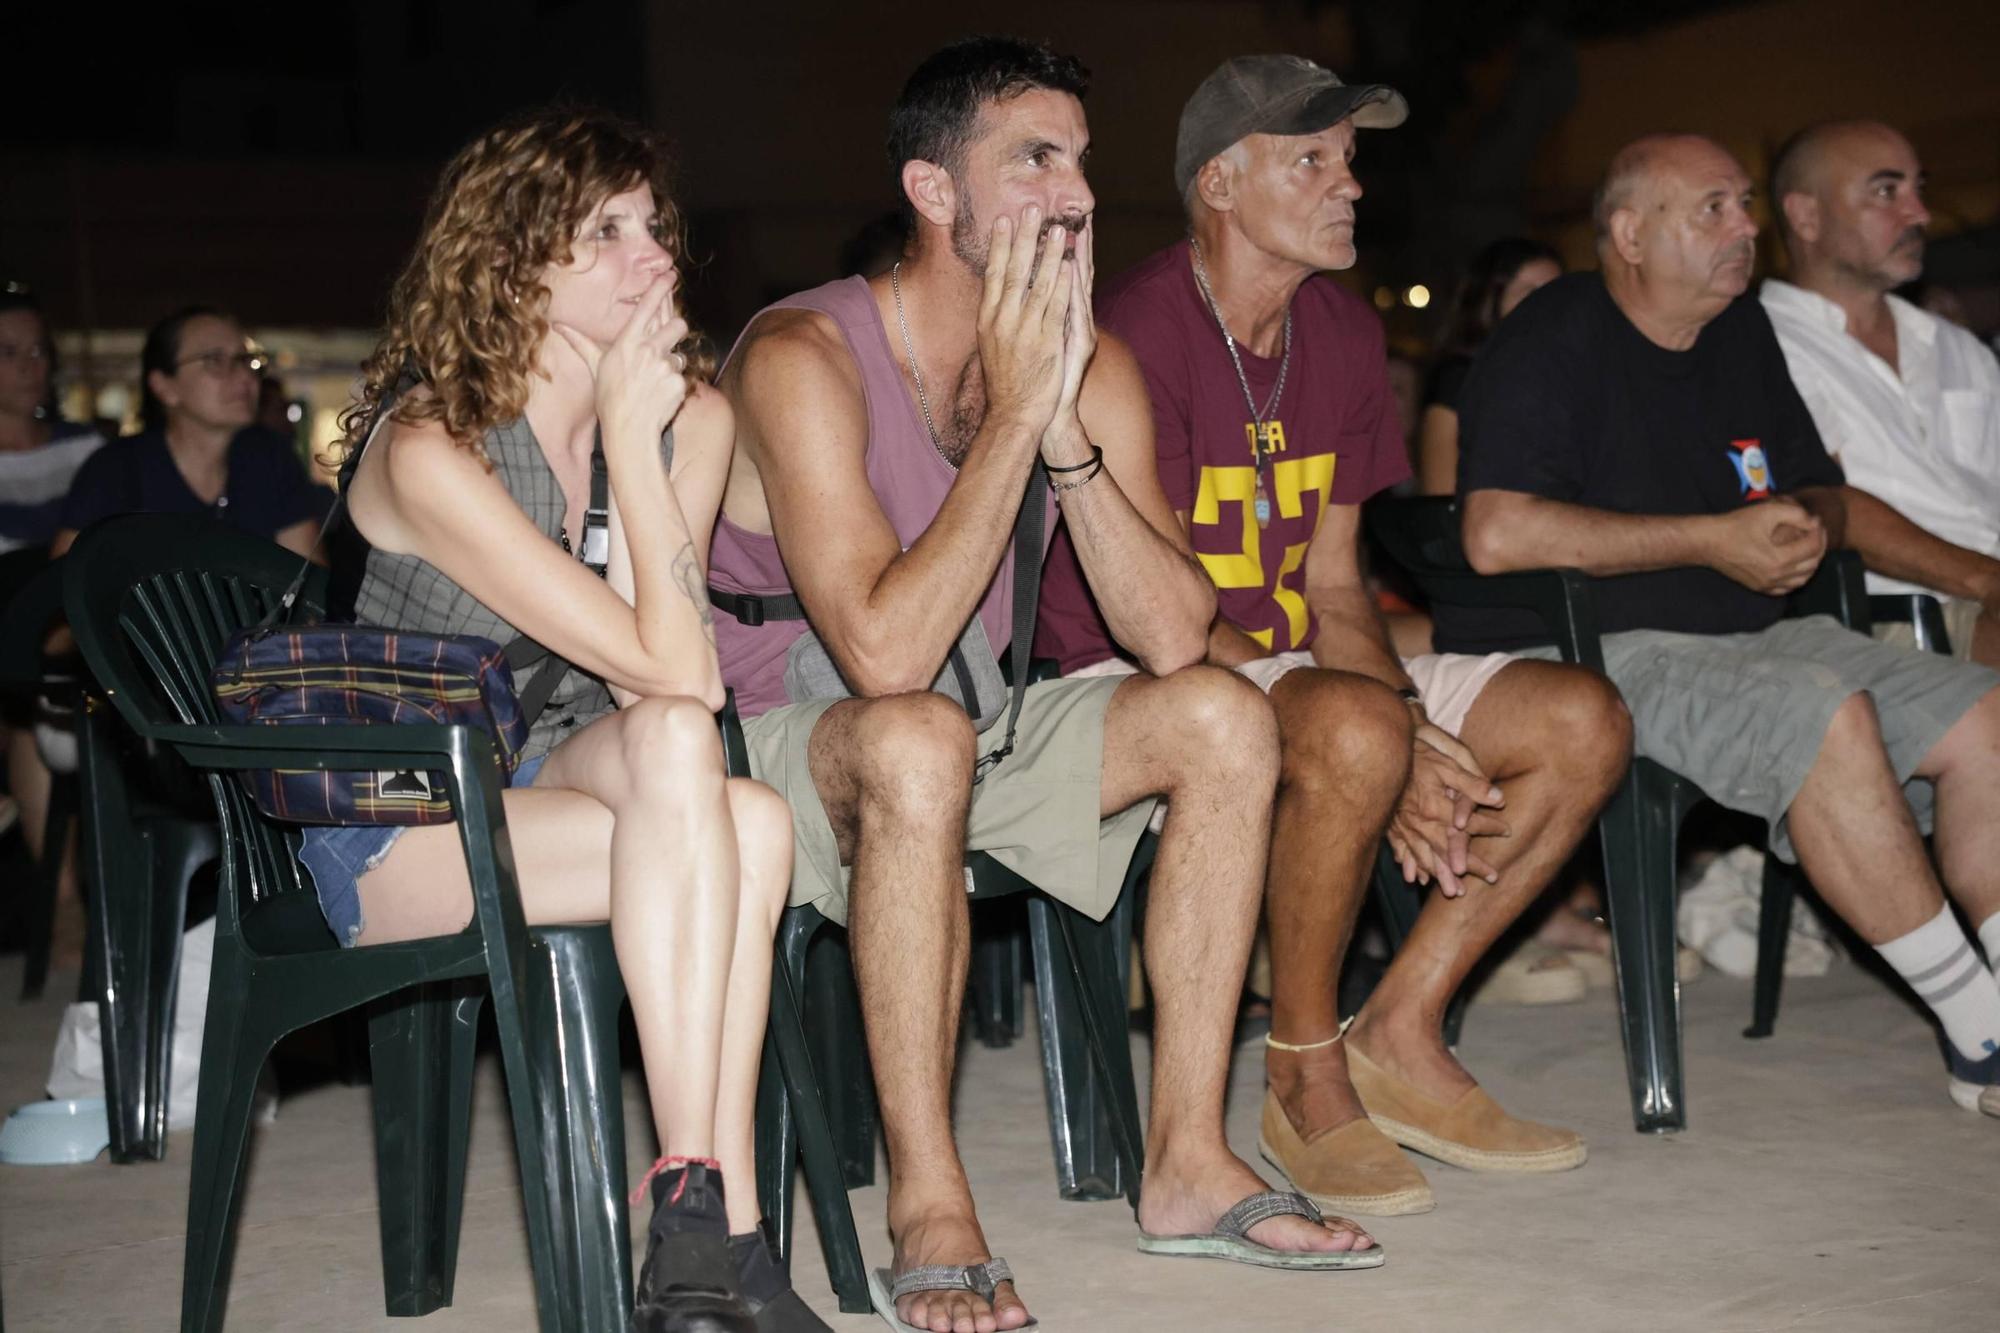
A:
1825	1183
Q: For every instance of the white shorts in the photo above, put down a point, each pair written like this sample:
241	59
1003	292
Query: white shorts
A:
1448	683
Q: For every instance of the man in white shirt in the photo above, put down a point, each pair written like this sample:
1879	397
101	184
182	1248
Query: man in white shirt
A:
1908	403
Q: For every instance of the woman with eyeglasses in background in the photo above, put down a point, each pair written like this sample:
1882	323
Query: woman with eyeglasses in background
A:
199	376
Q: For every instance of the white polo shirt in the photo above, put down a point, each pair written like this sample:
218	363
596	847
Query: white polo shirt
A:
1927	441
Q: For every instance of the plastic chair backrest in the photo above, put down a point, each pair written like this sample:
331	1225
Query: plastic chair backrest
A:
151	598
1420	533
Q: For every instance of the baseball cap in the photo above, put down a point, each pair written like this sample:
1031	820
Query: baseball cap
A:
1273	95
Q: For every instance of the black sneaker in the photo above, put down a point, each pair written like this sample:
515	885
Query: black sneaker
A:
767	1286
688	1283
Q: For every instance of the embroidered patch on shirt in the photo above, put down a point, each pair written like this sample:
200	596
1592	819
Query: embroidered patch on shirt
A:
1753	470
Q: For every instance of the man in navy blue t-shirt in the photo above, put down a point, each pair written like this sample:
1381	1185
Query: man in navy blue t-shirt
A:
1640	425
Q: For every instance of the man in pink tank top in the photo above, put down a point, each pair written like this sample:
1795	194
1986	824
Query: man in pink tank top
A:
1272	424
887	432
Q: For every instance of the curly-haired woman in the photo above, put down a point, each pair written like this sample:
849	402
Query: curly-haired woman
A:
537	313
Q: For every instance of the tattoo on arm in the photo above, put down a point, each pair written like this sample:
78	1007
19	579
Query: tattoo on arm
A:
687	573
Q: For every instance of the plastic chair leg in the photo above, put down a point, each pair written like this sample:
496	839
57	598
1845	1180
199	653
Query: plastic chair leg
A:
421	1044
577	996
1774	928
1639	828
47	882
997	972
234	1050
1080	987
832	1006
178	849
808	1119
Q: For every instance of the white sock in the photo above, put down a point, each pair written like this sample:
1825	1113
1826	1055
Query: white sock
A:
1937	960
1989	940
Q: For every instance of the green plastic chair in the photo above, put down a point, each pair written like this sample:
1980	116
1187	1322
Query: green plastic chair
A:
1639	828
151	599
141	844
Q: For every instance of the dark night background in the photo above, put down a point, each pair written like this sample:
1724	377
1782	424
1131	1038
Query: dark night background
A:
275	161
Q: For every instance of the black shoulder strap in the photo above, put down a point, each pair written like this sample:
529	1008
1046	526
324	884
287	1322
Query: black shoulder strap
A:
1027	603
755	609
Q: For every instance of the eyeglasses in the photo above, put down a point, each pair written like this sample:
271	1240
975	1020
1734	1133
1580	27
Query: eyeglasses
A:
219	363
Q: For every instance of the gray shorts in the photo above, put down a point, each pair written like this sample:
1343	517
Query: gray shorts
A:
1742	715
1036	813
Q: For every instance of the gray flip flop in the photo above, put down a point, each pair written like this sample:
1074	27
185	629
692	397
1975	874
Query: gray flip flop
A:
979	1279
1231	1238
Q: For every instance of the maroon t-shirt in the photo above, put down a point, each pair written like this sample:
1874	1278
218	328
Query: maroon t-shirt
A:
1333	439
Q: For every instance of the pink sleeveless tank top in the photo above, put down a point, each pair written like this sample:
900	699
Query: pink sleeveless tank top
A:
908	477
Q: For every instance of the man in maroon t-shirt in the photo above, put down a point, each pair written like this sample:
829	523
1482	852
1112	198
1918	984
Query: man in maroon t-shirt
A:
1272	423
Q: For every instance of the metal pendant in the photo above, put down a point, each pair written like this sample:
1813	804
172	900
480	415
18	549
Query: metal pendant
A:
1261	505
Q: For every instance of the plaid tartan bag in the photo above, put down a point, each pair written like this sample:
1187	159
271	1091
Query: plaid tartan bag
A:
345	675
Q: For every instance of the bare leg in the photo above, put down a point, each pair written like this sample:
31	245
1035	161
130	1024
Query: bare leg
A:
895	776
763	825
1346	756
628	821
29	779
1854	833
1207	740
1986	639
1965	766
1557	740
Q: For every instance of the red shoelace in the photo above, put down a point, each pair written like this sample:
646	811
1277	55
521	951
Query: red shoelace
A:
668	1164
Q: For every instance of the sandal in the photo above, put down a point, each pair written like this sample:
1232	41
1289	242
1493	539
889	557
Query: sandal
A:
1231	1238
982	1280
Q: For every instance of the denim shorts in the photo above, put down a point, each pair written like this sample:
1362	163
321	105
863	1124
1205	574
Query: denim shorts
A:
336	857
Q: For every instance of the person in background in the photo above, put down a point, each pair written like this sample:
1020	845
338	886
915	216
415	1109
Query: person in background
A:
1640	425
39	457
199	376
1500	277
1908	402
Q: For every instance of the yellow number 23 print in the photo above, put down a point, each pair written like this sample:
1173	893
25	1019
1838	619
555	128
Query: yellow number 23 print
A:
1291	480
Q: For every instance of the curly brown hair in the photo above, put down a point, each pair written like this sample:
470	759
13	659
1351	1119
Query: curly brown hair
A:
469	311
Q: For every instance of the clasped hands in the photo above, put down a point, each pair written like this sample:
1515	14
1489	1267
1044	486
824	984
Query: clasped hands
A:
1771	547
1446	803
1036	334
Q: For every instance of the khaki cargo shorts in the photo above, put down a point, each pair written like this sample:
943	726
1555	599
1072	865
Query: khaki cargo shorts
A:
1036	813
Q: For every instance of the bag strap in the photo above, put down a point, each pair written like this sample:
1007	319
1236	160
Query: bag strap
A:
756	608
1027	602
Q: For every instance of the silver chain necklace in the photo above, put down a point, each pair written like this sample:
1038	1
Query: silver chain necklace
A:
916	373
1260	437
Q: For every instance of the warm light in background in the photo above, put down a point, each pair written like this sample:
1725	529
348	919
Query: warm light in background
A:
1384	298
1417	297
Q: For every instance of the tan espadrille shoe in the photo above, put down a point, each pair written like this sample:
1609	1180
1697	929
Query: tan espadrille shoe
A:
1472	1132
1353	1169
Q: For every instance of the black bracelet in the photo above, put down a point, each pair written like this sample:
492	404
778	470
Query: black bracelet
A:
1096	457
1080	482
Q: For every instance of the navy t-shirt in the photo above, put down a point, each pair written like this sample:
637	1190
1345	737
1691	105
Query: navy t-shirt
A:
266	492
1569	401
